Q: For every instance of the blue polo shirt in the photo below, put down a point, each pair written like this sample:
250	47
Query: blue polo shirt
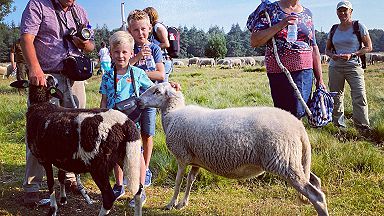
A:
124	87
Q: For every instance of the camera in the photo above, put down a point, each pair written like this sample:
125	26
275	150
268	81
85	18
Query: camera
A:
82	32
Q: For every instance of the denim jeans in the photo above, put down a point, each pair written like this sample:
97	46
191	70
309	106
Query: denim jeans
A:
283	94
148	121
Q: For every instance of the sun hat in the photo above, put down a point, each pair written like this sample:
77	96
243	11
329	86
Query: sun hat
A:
345	4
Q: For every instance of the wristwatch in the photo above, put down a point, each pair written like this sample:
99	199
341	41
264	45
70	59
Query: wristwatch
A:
353	55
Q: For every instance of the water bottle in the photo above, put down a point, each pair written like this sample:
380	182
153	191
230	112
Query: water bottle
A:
292	31
150	62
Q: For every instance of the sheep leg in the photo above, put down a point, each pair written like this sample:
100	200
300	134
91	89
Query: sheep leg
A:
82	190
315	195
63	195
179	179
50	181
138	202
191	178
315	181
101	179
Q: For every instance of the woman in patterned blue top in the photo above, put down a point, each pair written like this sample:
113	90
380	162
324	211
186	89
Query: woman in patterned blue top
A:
301	57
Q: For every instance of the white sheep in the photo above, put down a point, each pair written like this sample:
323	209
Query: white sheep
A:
207	61
235	143
193	60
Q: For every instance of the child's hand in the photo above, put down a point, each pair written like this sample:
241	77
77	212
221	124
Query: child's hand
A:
145	51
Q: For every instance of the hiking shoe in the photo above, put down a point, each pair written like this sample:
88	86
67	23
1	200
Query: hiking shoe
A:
31	198
143	199
148	178
118	191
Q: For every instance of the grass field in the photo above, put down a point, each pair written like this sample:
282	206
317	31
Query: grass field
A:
350	166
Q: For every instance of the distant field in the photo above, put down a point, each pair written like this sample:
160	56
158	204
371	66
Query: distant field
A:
349	165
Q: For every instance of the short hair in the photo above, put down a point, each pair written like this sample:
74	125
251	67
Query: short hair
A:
102	44
152	13
138	15
121	38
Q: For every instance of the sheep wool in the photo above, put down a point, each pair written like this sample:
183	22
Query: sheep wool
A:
235	143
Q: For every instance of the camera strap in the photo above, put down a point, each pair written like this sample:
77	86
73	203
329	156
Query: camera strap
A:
132	80
58	9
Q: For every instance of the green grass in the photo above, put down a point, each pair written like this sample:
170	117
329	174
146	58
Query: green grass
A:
350	166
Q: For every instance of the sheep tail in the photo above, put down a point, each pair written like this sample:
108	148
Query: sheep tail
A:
306	155
132	162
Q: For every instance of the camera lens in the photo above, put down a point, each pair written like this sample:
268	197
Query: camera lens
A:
86	33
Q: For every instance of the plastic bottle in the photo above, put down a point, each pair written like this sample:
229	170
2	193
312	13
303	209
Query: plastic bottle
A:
150	62
292	31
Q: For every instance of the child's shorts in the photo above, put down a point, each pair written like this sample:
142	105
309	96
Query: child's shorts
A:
148	121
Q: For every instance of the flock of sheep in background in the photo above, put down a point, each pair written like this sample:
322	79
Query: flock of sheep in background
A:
228	62
239	62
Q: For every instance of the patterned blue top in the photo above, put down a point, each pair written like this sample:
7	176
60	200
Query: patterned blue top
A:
294	55
124	85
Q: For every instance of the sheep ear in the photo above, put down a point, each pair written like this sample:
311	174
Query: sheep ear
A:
55	92
170	92
20	84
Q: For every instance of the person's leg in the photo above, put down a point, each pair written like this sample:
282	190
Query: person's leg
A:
304	81
336	84
34	173
78	91
355	79
282	92
148	122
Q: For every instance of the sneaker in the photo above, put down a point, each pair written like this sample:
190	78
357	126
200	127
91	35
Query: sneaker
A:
143	199
148	178
31	198
118	191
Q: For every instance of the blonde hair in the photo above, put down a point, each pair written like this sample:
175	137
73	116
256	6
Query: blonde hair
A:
138	15
152	13
121	38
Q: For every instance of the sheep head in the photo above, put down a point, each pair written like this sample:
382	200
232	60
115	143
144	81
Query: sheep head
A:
40	94
162	96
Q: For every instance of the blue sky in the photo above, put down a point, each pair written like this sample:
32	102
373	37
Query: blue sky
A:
206	13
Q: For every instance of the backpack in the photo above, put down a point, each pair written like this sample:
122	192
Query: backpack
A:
174	41
356	31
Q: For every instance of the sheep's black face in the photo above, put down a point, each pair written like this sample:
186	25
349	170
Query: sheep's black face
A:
40	94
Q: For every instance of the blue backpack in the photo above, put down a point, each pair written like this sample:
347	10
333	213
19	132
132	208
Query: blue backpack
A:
321	106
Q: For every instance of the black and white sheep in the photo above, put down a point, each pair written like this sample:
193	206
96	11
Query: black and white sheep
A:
79	141
235	143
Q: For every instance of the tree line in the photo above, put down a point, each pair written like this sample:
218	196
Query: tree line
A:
193	41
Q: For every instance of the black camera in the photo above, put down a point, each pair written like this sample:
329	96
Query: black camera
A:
83	33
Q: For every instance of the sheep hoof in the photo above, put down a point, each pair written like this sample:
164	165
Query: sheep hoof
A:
169	206
63	200
180	205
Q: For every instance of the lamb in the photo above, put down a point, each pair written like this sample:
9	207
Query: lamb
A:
79	141
235	143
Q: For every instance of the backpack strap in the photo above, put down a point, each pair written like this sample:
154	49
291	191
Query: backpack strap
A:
357	32
331	33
